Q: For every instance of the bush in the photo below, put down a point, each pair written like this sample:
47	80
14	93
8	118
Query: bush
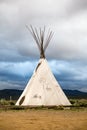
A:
11	103
72	101
17	108
4	102
79	102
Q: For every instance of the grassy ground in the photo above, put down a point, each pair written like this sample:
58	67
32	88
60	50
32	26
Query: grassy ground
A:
43	120
61	118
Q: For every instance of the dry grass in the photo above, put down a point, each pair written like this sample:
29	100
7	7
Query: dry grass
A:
43	120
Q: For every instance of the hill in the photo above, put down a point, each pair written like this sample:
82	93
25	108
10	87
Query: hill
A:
14	94
75	94
10	93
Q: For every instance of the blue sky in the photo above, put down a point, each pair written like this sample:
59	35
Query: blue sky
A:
66	53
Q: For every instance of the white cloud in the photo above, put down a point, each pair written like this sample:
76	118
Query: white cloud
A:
21	69
70	31
9	85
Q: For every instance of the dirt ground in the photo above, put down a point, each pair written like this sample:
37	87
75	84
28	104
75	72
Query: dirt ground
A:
43	120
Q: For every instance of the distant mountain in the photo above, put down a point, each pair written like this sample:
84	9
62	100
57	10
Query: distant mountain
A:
14	94
75	94
10	94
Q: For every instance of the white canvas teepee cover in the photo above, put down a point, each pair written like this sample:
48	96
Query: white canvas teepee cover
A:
43	89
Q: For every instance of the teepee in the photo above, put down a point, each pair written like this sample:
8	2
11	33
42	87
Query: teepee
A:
42	89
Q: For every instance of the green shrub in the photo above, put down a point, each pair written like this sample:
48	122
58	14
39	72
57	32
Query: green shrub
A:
4	102
72	101
17	108
79	102
11	103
